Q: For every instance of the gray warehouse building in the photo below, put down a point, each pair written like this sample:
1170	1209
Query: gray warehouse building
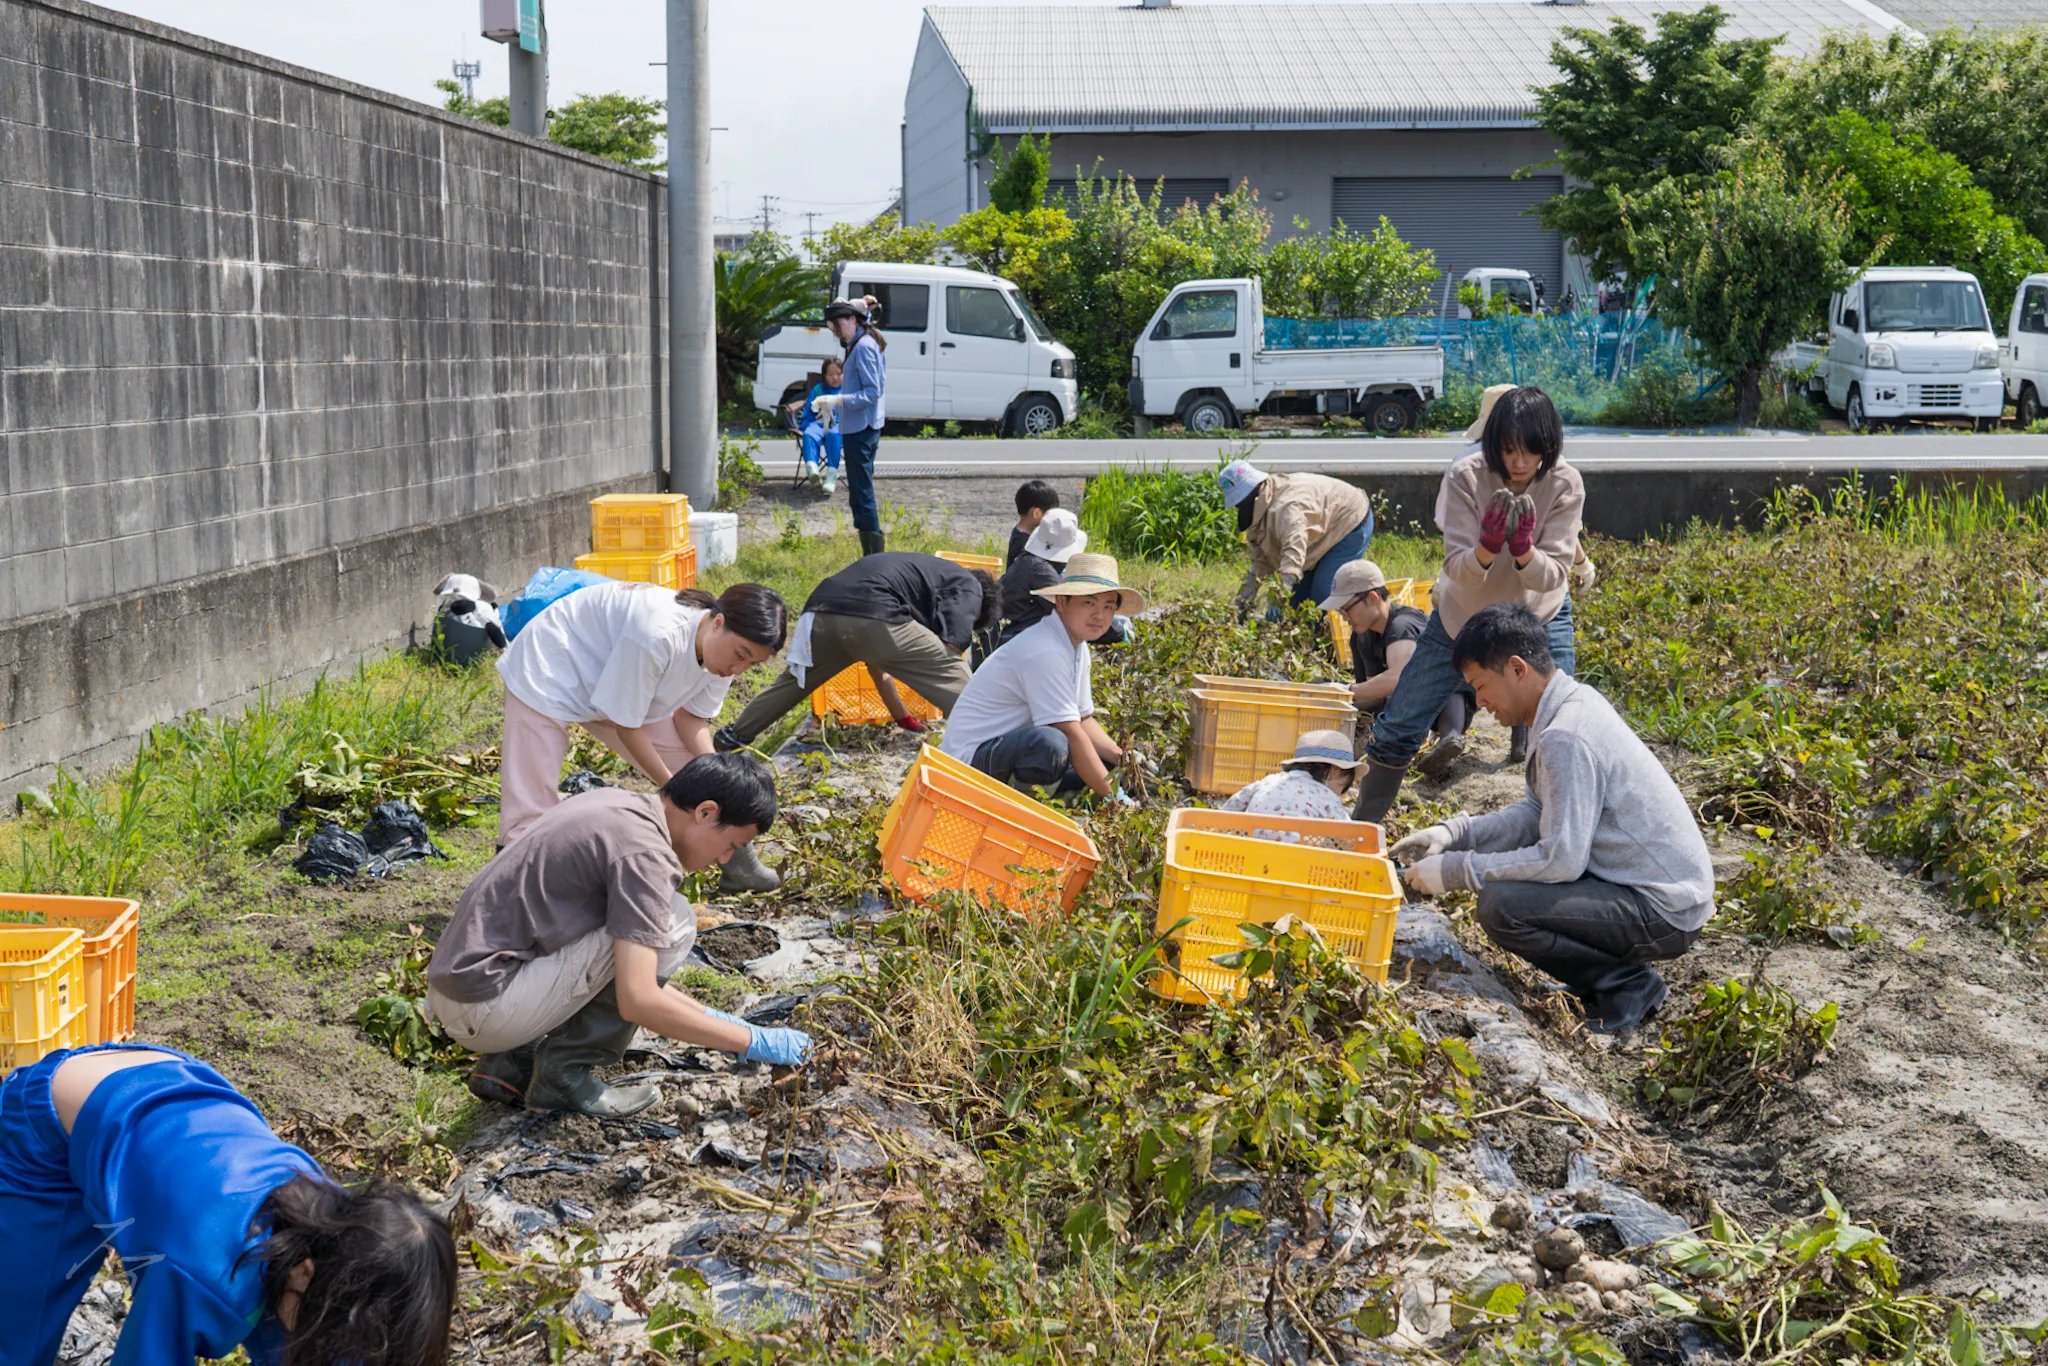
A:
1414	109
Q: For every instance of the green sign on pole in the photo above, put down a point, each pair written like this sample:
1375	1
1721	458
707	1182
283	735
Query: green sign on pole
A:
529	25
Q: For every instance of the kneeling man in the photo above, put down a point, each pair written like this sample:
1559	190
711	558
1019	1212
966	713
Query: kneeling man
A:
563	946
1601	869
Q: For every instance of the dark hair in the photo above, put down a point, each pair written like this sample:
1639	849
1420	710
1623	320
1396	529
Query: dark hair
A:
991	614
1320	772
1523	419
384	1273
741	785
1036	494
751	611
1495	634
839	361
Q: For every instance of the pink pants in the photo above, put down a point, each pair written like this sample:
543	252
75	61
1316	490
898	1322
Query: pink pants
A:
530	767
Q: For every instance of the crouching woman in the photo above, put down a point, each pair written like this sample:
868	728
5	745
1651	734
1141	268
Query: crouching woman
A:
230	1237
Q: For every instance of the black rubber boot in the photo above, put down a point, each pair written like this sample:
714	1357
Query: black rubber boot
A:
565	1064
1518	744
503	1077
872	543
1377	790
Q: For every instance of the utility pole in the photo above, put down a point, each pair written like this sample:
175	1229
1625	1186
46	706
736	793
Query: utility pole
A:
530	71
466	73
810	226
692	302
768	212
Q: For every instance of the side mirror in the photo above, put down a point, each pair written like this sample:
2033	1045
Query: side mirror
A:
1016	329
1851	321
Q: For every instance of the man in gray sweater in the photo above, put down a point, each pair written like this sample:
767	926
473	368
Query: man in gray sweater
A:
1601	869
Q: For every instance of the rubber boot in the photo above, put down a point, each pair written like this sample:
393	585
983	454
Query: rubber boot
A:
1377	790
565	1064
744	872
1442	755
1518	744
872	543
503	1077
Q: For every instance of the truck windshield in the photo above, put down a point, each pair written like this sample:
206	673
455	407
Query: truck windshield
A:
1038	329
1518	292
1197	314
1924	306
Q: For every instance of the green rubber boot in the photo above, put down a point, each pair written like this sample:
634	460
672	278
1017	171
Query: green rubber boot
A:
744	872
565	1064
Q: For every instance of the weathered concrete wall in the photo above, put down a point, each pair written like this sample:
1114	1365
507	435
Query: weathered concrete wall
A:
254	319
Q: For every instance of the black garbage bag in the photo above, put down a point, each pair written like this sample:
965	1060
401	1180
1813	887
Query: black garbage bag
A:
336	855
581	781
398	834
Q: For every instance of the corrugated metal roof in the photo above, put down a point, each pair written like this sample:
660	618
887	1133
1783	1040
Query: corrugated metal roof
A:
1931	16
1379	64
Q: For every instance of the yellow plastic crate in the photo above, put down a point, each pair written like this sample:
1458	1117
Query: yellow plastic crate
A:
849	697
930	756
639	523
1222	876
948	833
42	994
1236	737
665	568
1419	594
110	926
1262	687
992	563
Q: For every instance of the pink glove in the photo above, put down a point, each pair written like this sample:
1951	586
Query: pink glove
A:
1522	527
1493	528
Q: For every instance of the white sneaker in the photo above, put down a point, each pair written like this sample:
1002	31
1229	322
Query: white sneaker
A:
829	479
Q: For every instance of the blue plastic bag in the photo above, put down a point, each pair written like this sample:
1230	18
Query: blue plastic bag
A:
547	585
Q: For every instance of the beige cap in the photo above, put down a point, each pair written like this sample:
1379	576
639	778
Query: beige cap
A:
1486	402
1086	575
1332	747
1360	576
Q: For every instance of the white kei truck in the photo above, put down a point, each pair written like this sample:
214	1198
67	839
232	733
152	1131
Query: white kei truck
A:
1202	361
962	345
2023	359
1908	341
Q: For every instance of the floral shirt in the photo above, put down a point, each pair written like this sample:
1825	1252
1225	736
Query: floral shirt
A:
1289	792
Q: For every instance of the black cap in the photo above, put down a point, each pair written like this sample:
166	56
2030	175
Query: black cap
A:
841	308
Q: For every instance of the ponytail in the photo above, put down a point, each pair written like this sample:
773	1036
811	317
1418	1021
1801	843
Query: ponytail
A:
868	329
750	611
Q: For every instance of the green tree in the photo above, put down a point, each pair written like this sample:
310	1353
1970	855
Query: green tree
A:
616	127
1018	185
1982	97
760	284
1023	246
1744	258
1344	274
497	111
1632	110
881	239
1916	206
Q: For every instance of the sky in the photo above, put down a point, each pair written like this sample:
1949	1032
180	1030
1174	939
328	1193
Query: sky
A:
830	151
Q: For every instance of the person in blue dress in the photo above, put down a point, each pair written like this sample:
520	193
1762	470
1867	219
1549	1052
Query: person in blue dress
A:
229	1236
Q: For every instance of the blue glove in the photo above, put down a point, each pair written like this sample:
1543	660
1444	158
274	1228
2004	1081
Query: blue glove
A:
1127	627
782	1047
729	1019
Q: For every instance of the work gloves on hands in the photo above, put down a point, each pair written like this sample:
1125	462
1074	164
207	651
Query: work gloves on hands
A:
1493	527
1425	843
1427	876
1583	575
1125	627
779	1047
1522	526
825	403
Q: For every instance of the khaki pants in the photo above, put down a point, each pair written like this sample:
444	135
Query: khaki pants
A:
906	651
530	763
546	991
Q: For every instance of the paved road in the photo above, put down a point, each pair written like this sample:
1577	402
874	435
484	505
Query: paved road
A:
911	458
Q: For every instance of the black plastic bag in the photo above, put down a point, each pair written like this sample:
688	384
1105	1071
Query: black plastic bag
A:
336	855
581	781
398	833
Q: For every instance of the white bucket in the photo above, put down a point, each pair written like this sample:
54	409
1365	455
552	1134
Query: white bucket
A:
716	536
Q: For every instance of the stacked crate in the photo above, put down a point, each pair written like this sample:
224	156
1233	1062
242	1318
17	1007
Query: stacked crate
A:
642	538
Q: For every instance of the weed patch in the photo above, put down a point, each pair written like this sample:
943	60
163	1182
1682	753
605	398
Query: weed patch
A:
1779	895
1742	1039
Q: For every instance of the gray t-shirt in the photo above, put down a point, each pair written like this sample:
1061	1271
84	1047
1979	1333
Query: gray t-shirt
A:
599	861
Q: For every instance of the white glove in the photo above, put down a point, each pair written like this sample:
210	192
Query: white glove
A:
1427	876
824	403
1582	575
1121	798
1422	844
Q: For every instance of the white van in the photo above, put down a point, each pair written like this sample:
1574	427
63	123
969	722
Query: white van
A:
961	344
1909	341
2023	359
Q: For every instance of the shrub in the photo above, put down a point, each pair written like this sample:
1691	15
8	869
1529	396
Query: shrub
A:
1168	515
739	470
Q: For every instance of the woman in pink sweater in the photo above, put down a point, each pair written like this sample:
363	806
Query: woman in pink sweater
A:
1511	514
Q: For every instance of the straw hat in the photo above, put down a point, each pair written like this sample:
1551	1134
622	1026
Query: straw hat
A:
1486	401
1360	576
1332	747
1090	574
1058	538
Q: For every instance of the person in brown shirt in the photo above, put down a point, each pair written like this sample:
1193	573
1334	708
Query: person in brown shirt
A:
562	947
1301	527
1511	514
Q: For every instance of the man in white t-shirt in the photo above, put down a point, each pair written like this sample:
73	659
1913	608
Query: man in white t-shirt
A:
1028	714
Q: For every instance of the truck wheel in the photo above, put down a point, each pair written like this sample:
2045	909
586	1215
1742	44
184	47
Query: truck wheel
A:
1388	414
1034	415
2029	406
1852	410
1209	414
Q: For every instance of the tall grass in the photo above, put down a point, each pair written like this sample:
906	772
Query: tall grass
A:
1172	516
1948	516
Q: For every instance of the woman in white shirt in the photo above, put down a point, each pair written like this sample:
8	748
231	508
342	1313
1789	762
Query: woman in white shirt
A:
643	669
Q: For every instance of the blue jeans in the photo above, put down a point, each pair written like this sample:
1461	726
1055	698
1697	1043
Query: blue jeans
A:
818	440
1321	576
860	477
1036	756
1428	682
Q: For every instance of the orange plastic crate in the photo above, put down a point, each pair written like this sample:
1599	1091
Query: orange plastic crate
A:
42	994
665	568
849	697
639	523
1220	874
954	835
111	928
931	756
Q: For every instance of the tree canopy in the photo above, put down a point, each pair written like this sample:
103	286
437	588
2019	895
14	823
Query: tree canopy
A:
616	127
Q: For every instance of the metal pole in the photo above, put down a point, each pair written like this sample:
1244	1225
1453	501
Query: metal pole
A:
530	84
692	306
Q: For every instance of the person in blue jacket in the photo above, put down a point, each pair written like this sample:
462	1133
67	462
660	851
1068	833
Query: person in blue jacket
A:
230	1237
820	430
862	410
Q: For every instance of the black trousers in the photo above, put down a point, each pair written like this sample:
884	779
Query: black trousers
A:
1598	938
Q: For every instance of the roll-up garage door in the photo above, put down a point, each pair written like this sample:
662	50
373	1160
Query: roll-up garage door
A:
1468	221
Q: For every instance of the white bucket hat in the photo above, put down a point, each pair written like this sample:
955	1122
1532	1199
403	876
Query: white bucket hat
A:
1486	401
1087	575
1239	479
1058	538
